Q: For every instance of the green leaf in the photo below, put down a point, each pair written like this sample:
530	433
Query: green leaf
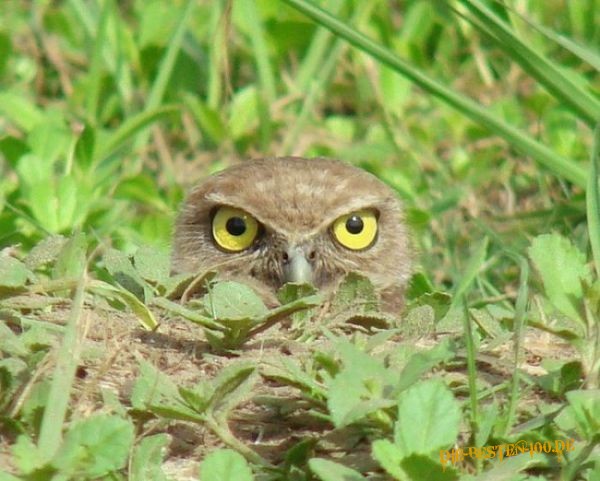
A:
42	200
421	362
148	457
225	465
11	344
152	387
152	263
119	266
418	285
45	252
197	398
20	110
13	273
209	120
292	292
428	418
355	290
155	391
585	407
233	301
329	471
562	268
289	371
358	389
414	467
389	457
418	467
144	315
33	171
439	302
243	117
95	446
49	140
25	454
71	204
562	379
232	386
85	148
71	259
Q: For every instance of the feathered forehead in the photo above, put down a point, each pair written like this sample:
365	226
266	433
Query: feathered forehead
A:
293	193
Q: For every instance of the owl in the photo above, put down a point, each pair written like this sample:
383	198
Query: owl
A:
268	222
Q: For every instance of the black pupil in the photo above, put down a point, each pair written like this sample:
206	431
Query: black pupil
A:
354	224
236	226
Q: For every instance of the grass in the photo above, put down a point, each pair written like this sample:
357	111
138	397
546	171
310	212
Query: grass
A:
481	115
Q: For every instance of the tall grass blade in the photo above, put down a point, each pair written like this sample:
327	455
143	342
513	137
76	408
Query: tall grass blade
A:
593	200
95	69
219	21
130	128
537	65
471	373
165	71
583	53
87	14
471	271
259	46
55	411
315	56
316	71
518	329
521	141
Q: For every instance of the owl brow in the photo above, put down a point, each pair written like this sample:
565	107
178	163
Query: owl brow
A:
374	208
217	205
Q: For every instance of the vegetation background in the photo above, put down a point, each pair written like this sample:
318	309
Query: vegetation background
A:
480	114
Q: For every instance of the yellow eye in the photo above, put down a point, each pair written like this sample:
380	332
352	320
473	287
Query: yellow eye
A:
233	229
357	230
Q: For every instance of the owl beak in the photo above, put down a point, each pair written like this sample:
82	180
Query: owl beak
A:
296	268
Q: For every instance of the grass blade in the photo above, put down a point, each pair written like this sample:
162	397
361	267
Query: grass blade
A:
519	331
583	53
316	71
87	14
471	374
259	46
315	56
95	70
593	201
534	63
165	71
219	27
519	140
144	315
130	127
471	271
66	366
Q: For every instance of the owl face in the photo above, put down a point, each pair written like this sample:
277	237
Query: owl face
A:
273	221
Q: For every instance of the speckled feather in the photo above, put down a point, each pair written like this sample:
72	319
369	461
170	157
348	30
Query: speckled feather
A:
296	200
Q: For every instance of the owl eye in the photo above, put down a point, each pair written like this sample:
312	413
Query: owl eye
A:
357	230
233	229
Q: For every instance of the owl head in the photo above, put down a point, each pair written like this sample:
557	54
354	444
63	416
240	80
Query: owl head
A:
271	221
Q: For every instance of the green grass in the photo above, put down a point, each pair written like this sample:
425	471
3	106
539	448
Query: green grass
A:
480	114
